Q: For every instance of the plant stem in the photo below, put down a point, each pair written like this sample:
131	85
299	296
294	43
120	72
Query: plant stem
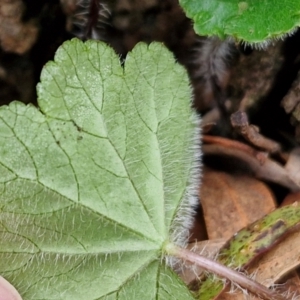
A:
223	271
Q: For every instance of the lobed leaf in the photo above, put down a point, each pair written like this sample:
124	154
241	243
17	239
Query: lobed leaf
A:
252	21
92	185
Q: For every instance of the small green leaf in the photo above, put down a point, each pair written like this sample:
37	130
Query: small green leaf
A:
253	21
94	185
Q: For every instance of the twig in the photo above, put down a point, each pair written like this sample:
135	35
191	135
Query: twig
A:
239	121
262	166
223	271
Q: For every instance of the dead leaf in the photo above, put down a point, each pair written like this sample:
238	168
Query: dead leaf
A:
290	199
267	249
271	267
231	202
290	284
278	261
198	231
235	294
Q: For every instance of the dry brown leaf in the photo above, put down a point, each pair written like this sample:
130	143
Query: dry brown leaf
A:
278	261
291	198
271	267
231	202
198	231
272	263
235	295
291	283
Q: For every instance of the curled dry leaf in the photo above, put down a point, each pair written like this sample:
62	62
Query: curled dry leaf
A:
278	261
255	241
7	291
231	202
271	267
260	236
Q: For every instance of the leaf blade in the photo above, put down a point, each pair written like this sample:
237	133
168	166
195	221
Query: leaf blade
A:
251	21
85	184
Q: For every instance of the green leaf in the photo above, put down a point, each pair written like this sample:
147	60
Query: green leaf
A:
253	21
94	184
